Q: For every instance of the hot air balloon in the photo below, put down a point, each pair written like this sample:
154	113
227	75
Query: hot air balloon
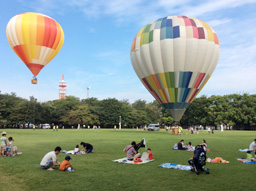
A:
35	38
174	57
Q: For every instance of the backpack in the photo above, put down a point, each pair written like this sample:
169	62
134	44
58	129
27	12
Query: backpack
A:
202	157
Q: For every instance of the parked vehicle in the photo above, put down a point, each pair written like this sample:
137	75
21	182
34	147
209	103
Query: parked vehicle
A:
153	127
46	126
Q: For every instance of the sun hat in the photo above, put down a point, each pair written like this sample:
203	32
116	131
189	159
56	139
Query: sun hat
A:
4	133
67	157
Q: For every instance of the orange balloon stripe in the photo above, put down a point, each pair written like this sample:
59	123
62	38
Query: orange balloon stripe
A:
164	96
47	31
20	49
58	35
34	68
40	30
154	76
53	33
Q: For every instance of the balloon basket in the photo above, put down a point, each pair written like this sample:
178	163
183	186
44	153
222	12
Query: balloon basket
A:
34	81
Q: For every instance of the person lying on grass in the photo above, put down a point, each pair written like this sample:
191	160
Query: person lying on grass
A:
65	165
130	151
50	159
88	148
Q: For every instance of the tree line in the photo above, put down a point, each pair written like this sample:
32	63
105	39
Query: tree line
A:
230	110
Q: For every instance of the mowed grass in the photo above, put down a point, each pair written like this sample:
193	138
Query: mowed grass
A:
97	171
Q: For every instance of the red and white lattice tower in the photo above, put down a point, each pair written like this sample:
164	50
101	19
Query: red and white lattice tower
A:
62	90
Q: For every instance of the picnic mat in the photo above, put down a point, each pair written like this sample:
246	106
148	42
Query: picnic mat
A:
217	160
245	161
174	148
125	161
175	166
72	152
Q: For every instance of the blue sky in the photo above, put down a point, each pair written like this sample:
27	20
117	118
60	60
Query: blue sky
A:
98	38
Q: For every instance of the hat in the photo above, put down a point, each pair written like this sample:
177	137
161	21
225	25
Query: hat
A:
67	157
4	133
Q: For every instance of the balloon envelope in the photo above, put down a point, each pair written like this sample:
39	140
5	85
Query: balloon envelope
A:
35	38
174	57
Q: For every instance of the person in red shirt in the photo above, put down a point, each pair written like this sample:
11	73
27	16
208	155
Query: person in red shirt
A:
65	165
150	154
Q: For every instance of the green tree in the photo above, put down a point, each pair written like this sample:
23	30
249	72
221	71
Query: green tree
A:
80	115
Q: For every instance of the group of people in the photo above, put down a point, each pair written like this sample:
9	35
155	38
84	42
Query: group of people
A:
132	153
6	146
50	159
181	146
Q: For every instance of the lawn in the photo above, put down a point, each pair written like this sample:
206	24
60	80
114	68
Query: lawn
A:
97	171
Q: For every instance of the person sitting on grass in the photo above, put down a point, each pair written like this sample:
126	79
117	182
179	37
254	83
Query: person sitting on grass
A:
88	148
65	165
252	146
181	145
9	146
50	159
76	150
131	152
150	154
190	147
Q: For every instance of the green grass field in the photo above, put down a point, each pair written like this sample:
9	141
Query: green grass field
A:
97	171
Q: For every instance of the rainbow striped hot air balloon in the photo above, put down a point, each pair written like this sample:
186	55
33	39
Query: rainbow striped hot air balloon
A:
174	57
35	38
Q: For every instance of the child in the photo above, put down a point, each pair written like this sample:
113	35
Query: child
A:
9	146
65	165
76	150
150	154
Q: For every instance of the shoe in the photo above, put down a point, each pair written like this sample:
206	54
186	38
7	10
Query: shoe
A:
72	171
50	168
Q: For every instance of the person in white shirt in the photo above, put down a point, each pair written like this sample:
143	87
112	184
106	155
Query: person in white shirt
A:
50	159
252	146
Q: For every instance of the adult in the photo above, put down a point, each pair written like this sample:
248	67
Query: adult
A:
131	152
252	146
181	145
180	130
88	148
209	130
50	159
198	160
3	142
204	143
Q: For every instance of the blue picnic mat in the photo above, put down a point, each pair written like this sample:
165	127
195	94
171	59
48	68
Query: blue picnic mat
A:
243	160
175	166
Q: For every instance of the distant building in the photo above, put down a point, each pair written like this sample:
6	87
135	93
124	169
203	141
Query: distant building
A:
62	90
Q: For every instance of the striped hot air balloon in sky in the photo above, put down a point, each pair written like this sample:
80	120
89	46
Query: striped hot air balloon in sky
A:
35	38
174	57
